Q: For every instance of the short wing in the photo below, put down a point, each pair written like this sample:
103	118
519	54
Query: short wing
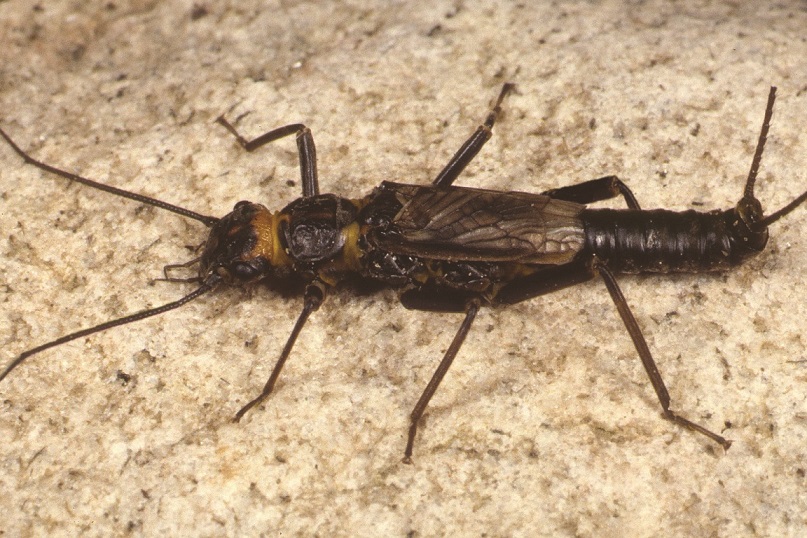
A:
463	224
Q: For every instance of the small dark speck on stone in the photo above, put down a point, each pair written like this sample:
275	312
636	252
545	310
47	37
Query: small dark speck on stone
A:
123	377
290	183
77	53
198	12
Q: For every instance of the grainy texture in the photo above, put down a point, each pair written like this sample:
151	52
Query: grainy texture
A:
546	424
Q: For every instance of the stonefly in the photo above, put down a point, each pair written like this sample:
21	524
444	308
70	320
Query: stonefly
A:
452	249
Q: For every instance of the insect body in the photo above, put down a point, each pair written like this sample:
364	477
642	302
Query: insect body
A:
455	249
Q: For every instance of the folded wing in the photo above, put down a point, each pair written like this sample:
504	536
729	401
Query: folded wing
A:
458	223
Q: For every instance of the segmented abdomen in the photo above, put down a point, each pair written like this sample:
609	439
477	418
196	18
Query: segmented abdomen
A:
662	241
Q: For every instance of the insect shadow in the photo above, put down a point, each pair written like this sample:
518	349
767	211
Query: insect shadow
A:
451	249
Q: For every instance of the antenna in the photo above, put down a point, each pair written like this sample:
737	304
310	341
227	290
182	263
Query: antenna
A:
208	221
201	290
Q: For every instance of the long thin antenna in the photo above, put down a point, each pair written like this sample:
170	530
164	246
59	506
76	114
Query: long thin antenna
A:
763	136
752	174
204	288
209	221
773	217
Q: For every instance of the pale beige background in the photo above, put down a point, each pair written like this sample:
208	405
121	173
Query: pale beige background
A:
546	425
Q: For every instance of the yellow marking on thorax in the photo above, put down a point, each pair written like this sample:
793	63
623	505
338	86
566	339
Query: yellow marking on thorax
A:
267	225
348	260
351	253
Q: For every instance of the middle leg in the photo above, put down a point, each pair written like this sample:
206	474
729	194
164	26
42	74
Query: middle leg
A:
472	146
417	413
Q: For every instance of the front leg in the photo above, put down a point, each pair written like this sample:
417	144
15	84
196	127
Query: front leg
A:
305	148
314	295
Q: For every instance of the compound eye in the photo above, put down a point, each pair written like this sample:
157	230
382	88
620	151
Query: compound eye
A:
243	271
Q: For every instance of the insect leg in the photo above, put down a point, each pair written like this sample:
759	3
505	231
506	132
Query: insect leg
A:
647	359
305	148
173	266
417	413
430	299
314	295
472	146
547	280
595	190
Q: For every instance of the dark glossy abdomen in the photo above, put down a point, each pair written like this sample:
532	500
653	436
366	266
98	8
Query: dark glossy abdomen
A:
662	241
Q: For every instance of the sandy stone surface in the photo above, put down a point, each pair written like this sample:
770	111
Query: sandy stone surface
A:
546	424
